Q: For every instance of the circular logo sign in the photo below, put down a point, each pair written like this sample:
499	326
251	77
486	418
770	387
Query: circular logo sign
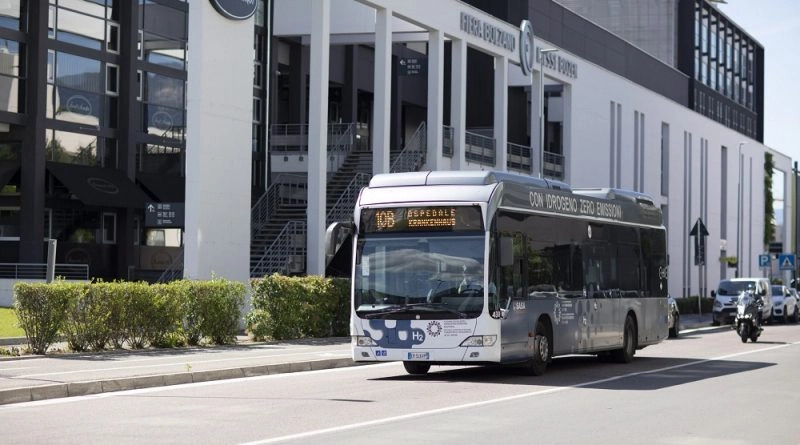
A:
161	120
79	105
235	9
526	53
101	185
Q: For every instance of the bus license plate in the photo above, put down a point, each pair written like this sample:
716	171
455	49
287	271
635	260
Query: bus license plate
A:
419	356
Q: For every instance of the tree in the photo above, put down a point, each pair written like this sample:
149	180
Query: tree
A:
769	209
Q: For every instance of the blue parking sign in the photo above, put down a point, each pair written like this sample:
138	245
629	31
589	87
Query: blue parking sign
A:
763	261
786	261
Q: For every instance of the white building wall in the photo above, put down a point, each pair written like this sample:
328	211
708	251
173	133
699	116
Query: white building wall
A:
589	165
218	145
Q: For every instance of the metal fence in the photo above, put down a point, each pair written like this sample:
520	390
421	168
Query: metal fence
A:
38	271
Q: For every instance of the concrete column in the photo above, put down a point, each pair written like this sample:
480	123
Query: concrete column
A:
458	101
218	146
501	112
536	98
434	158
382	101
317	135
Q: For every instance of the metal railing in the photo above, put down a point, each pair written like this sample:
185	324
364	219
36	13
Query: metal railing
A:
280	256
342	210
448	141
286	189
479	148
519	158
38	271
413	155
293	138
174	271
553	165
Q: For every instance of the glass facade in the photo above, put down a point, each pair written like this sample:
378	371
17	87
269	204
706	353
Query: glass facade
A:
724	63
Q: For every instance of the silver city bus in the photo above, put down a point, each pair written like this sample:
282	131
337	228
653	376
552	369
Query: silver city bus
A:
463	268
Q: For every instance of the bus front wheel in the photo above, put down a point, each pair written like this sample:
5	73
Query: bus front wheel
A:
541	350
417	368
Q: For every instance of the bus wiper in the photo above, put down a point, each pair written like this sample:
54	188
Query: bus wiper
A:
412	306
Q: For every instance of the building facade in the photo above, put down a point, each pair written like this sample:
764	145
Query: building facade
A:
247	151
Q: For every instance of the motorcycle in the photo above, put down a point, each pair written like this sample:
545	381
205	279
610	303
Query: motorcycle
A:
748	316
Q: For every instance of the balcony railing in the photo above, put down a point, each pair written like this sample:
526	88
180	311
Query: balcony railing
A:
553	166
38	271
479	148
293	138
519	158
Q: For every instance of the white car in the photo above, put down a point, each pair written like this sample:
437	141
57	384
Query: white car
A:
727	295
784	304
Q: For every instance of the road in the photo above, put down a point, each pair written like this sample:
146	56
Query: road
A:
703	388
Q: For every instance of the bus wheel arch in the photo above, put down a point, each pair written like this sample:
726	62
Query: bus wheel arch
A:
542	346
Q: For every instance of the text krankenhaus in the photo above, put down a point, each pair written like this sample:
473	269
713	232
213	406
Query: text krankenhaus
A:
488	32
575	206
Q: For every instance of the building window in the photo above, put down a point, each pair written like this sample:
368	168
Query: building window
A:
112	79
109	228
11	59
11	15
77	95
112	38
71	148
257	110
164	106
162	159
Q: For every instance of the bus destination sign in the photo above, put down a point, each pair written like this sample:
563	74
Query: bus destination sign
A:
402	219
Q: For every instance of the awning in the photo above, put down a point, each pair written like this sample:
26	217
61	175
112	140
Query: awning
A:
7	171
166	188
101	187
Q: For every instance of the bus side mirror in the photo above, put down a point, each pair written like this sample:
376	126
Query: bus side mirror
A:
335	237
506	251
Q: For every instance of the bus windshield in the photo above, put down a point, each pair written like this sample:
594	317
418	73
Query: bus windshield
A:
419	276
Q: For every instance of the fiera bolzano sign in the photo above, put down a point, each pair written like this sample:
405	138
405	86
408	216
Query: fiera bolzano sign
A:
235	9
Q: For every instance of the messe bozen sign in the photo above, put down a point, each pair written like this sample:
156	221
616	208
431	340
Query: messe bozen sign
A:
235	9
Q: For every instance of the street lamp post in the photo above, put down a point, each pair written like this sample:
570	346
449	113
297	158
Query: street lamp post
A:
542	52
739	212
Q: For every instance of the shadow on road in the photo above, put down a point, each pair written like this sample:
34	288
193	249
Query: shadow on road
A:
643	374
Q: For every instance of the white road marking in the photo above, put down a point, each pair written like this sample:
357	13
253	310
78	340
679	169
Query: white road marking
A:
498	400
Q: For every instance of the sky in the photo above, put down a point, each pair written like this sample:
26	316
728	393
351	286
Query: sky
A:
776	25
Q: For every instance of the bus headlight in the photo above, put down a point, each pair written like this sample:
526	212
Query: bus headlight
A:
480	340
363	340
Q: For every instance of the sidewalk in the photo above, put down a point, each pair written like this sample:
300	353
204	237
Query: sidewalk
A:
30	378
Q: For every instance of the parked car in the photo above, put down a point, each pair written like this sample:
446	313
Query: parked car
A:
727	294
784	304
673	317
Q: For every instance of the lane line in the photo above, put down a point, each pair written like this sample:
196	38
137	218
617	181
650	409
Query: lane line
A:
386	420
194	363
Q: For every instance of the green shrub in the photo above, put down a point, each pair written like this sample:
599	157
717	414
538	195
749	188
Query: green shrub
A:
166	324
140	310
688	305
81	318
299	307
212	309
42	310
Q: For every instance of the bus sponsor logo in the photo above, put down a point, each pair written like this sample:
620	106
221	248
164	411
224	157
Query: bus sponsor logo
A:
563	312
401	335
434	328
573	205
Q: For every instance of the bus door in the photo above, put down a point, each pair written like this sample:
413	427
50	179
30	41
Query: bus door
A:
510	276
599	268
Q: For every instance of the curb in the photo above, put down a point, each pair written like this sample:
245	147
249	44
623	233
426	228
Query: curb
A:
61	390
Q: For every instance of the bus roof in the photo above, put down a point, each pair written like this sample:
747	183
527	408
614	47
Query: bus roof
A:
512	191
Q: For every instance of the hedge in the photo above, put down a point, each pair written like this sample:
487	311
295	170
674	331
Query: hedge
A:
97	315
688	305
298	307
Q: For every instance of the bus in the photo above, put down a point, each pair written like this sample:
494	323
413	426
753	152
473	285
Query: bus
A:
485	267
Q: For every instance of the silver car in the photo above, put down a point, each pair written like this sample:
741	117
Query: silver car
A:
673	317
784	304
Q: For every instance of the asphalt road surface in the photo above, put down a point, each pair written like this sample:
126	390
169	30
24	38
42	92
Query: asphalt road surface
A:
703	388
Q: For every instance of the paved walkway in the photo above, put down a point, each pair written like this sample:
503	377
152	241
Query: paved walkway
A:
30	378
